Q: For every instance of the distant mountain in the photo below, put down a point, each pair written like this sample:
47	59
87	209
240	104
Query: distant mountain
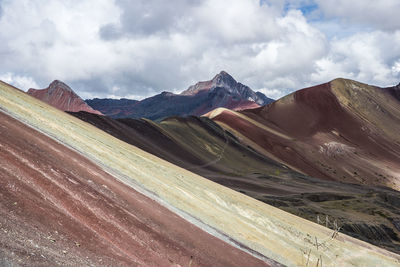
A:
61	96
222	91
231	88
113	107
342	130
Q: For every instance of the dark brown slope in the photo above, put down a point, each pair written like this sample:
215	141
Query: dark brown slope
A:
200	145
194	143
61	96
58	208
343	130
113	107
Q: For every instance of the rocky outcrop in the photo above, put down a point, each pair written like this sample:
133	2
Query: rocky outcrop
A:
61	96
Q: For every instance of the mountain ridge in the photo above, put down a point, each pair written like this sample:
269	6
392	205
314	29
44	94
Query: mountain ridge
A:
198	99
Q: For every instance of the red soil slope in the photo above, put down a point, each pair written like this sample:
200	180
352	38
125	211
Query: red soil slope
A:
61	96
342	130
58	208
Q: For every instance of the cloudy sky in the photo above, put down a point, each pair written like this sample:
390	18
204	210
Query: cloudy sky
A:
137	48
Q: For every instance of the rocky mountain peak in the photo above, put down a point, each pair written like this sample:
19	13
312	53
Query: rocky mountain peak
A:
223	79
230	87
57	84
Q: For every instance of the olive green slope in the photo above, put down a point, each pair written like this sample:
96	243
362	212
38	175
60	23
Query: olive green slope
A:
269	231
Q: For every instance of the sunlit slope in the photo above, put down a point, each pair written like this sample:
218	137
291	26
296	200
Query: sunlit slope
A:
267	230
342	130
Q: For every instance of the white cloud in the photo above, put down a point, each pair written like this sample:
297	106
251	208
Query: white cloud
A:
272	93
381	14
55	39
396	68
366	57
138	48
21	82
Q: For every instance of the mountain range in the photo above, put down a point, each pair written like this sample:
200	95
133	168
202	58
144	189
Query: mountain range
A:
314	178
222	91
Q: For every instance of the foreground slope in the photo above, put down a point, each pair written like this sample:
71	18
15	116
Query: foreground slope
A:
61	96
343	130
59	208
222	91
225	213
369	213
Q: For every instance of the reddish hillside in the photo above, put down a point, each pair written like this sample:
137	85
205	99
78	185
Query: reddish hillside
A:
342	130
61	96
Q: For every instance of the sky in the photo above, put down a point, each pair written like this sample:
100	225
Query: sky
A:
138	48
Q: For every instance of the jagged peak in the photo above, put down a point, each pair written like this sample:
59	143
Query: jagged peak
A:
224	80
59	84
223	74
223	77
